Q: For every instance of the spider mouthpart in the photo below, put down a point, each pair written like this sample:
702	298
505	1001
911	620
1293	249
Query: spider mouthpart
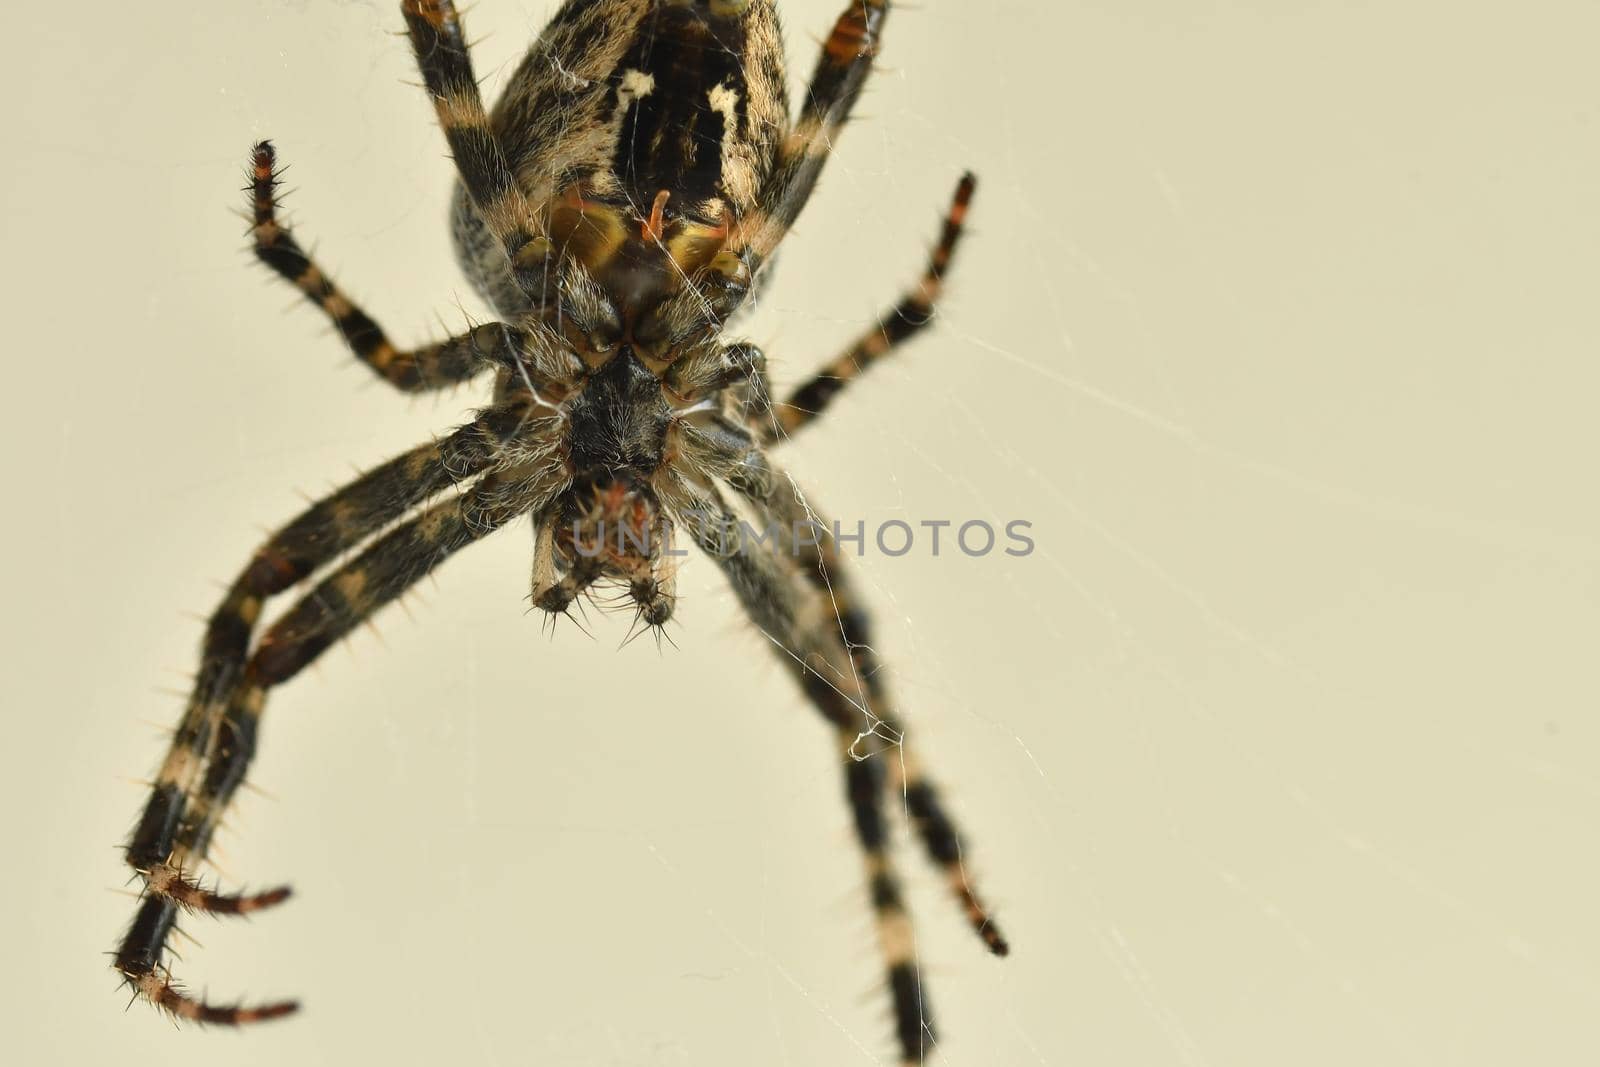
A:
608	529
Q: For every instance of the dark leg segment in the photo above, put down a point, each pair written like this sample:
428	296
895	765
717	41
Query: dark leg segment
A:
908	318
431	367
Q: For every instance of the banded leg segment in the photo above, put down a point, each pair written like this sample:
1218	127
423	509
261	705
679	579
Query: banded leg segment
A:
446	64
336	605
836	83
909	317
341	601
329	611
791	619
839	608
139	960
329	528
433	366
864	776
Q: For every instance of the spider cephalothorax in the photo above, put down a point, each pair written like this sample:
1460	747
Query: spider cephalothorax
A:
616	208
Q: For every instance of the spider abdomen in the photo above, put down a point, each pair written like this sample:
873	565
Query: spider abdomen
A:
644	129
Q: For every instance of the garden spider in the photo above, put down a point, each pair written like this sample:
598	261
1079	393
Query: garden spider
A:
615	208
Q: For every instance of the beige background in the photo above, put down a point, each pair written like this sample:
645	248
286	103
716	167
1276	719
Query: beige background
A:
1278	321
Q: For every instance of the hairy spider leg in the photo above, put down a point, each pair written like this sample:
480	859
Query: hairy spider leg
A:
446	65
824	568
905	320
188	798
800	621
836	82
433	366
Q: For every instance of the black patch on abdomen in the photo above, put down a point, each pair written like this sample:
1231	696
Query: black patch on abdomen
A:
671	138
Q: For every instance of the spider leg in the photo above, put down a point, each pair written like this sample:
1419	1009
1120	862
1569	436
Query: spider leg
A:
337	604
446	65
725	451
819	559
432	366
801	624
163	845
836	83
908	318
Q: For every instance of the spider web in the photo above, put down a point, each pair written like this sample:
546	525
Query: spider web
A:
1281	781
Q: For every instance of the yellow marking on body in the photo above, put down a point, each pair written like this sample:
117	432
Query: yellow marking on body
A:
592	232
694	244
732	267
533	252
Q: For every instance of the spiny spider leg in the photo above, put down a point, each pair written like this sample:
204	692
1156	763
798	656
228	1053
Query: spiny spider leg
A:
801	624
836	83
824	568
348	596
169	880
446	65
172	833
433	366
907	318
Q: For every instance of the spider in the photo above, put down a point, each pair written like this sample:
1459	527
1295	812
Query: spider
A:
616	208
